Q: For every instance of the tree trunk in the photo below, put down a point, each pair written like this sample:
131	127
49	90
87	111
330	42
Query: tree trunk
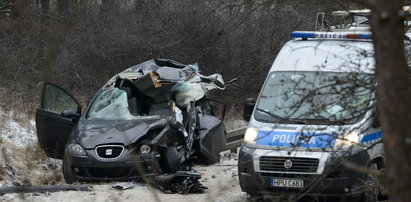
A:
393	95
45	5
63	7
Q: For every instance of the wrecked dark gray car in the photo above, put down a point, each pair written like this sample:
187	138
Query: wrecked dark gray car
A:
152	118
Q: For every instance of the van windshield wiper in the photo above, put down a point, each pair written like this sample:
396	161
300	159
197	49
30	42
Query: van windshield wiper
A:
271	114
283	119
298	121
313	120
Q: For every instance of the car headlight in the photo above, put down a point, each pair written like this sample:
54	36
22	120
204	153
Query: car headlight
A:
76	150
250	135
145	149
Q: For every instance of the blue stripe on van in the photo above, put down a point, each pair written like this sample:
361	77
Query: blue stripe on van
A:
371	137
295	139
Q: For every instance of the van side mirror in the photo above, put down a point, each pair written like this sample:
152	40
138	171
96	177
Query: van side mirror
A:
376	118
249	104
70	114
376	122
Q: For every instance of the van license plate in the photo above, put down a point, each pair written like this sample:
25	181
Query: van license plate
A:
282	182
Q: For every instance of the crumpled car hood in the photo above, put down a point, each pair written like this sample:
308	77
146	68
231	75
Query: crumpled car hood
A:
94	133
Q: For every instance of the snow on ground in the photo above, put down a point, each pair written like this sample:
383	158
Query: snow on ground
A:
221	182
18	133
21	161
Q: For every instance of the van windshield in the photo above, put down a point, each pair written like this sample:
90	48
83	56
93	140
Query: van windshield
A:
327	98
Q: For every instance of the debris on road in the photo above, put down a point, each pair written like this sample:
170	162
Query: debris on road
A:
181	182
124	186
234	172
44	188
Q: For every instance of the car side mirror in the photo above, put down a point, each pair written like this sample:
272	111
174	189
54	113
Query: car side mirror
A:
70	114
249	104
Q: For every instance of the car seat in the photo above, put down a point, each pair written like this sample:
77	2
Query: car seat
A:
162	106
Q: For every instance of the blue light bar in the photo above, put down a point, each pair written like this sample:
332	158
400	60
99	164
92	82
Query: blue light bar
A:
330	35
305	35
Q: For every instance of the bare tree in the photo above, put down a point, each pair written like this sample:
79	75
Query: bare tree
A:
45	4
64	7
393	94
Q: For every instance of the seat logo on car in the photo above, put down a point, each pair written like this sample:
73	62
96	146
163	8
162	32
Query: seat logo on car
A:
109	152
288	163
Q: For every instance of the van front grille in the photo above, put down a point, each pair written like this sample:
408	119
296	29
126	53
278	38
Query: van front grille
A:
303	165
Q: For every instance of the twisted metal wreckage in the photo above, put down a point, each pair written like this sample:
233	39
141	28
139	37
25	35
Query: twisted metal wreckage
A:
151	120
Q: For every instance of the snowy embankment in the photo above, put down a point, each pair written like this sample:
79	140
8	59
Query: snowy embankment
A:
22	162
17	129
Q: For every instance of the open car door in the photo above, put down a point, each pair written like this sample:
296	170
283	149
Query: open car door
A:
53	129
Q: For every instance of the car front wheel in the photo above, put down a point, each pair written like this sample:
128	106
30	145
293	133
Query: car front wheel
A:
68	175
170	162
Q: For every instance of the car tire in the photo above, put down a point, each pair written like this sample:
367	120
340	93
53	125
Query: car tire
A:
372	182
170	161
68	173
251	197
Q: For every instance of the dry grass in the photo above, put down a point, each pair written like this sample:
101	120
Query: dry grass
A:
2	173
30	165
234	117
16	106
19	114
2	119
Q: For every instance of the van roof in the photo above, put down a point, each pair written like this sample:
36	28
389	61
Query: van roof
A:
326	55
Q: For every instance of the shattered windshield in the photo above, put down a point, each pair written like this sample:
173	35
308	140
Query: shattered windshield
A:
152	92
110	104
315	97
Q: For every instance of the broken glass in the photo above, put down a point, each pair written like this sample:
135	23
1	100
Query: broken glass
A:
111	104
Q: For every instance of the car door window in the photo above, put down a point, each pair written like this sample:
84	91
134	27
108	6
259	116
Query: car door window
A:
57	100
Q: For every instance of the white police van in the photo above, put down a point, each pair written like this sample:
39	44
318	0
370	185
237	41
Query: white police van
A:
313	127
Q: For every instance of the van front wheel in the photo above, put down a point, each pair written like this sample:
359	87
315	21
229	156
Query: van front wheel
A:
373	185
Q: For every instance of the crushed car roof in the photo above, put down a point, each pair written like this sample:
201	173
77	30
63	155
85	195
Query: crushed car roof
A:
158	76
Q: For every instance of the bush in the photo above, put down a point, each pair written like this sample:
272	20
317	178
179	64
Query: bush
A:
84	47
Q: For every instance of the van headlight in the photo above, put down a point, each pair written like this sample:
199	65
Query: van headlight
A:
352	137
76	150
347	139
250	135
